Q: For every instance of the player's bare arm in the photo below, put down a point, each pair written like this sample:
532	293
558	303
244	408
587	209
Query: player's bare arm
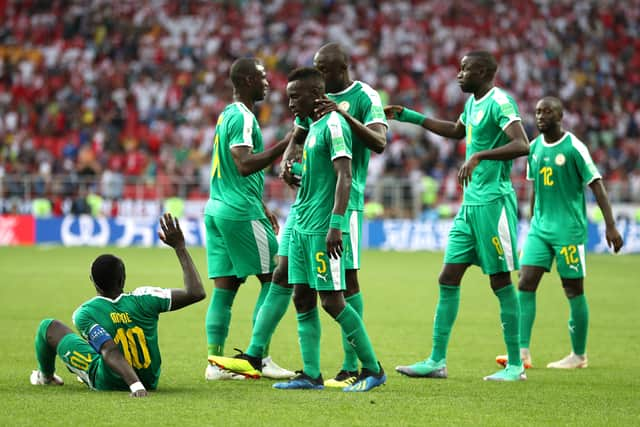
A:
193	291
115	360
517	146
342	167
248	162
292	154
448	129
374	135
614	239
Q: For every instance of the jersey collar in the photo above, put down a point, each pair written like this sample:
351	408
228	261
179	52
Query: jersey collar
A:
343	91
485	96
554	143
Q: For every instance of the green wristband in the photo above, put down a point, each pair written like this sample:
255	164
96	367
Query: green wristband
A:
336	221
410	116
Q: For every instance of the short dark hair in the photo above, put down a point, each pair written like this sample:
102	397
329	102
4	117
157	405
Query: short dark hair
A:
305	73
107	272
241	69
486	59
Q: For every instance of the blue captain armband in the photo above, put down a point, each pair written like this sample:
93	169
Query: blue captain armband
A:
97	337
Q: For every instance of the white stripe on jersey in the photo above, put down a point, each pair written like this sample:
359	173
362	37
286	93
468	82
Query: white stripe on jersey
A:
354	238
260	234
336	277
247	125
505	238
333	122
584	153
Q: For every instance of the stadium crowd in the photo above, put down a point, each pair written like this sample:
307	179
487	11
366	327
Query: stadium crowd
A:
121	92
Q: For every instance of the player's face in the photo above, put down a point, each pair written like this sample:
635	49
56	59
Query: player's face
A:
470	74
301	101
548	115
260	83
331	71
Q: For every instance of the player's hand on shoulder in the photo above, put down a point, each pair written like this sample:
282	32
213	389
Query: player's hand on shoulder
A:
325	106
139	393
170	233
614	239
392	111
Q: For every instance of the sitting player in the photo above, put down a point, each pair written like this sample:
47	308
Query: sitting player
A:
118	349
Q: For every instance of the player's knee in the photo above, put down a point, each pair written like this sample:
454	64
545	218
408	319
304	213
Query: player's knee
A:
527	284
280	276
353	286
572	288
303	301
333	306
54	331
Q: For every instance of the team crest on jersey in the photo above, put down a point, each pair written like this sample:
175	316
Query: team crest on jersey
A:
478	117
344	105
560	159
312	141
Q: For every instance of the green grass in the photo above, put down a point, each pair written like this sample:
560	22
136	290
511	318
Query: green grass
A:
400	291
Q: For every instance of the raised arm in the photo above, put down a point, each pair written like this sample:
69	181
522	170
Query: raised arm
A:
248	162
193	290
448	129
342	167
614	239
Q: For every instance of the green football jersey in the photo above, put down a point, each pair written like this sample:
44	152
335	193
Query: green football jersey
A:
485	120
560	171
329	138
132	321
233	196
362	103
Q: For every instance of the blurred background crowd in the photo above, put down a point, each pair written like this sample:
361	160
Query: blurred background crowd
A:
119	98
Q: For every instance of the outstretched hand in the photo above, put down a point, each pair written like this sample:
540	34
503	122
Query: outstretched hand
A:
171	233
392	111
614	239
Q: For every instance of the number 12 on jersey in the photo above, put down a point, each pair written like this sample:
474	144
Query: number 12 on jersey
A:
546	173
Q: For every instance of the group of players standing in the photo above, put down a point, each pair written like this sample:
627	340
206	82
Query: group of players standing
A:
338	123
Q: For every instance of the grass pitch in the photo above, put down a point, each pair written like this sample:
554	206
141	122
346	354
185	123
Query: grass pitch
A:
400	294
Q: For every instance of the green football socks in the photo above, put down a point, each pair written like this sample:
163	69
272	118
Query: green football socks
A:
264	290
273	309
309	337
579	324
44	353
527	301
218	319
350	362
357	337
446	313
509	314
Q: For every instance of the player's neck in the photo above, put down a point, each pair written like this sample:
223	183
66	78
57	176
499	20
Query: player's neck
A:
553	135
345	83
244	99
482	90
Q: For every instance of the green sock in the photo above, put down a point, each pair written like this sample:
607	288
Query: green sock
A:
446	312
527	302
273	309
350	362
309	338
264	290
509	315
579	324
353	327
44	353
218	319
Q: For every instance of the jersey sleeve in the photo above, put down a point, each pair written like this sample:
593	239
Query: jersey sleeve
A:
339	136
153	300
240	129
584	163
505	110
89	328
373	111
